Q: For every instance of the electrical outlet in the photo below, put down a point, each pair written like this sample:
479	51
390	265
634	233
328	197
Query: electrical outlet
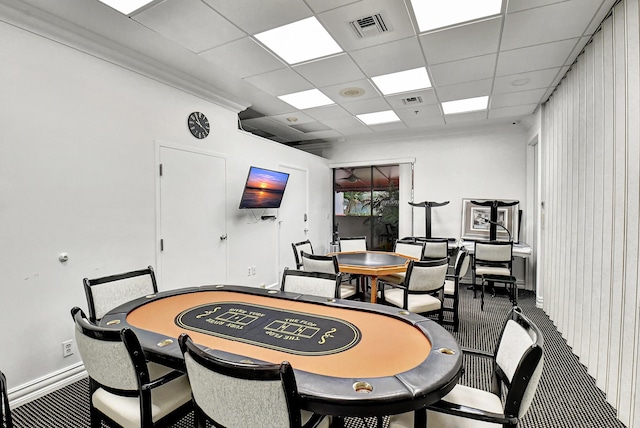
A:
253	270
249	271
67	348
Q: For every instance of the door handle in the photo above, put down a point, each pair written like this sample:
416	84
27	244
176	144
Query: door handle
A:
223	237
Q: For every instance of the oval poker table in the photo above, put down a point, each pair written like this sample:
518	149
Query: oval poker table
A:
350	358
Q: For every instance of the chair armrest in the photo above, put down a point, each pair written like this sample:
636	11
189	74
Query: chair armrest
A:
314	421
471	413
162	380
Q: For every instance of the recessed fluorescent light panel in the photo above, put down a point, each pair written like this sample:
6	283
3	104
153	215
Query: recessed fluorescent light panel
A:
465	105
378	117
300	41
403	81
432	14
306	99
126	6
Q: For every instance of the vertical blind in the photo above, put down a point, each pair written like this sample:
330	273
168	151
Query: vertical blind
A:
591	190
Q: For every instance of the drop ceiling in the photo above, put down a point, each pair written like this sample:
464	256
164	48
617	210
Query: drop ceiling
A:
207	47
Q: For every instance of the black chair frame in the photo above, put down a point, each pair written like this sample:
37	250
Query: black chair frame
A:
145	384
5	409
251	371
89	283
516	388
296	253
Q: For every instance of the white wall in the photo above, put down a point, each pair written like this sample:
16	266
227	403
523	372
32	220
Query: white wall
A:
483	162
77	174
592	204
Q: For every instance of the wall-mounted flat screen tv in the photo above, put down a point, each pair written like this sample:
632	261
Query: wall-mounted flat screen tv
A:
264	188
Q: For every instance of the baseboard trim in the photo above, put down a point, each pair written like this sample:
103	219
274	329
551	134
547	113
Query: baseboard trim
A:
40	387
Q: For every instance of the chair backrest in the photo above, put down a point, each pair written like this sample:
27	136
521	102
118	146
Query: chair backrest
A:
108	292
298	248
352	244
493	251
241	394
414	250
435	248
518	363
108	359
462	263
427	275
6	419
318	263
313	283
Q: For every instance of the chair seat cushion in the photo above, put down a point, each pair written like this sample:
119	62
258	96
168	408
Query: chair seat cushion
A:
418	303
348	290
449	287
460	394
126	410
492	270
395	278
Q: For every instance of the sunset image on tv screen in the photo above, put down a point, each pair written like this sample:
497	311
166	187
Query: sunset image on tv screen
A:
264	188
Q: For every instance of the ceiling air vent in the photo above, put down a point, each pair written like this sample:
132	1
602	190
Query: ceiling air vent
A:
412	101
369	26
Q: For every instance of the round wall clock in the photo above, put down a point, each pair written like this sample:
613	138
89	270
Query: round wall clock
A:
198	125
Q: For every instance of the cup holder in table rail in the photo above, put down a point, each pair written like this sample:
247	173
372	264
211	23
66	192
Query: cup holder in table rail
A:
273	291
404	312
165	342
362	387
150	296
220	286
447	351
113	322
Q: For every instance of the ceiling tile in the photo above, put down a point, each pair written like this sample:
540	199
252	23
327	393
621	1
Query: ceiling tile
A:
280	82
427	97
460	91
189	23
466	117
343	123
546	24
356	130
391	126
366	106
423	122
477	68
333	91
532	58
515	111
419	113
520	5
256	16
517	98
390	57
465	41
324	5
322	72
327	112
254	59
525	81
394	13
299	116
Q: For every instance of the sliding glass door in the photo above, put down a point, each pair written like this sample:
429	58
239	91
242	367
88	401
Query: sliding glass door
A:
366	204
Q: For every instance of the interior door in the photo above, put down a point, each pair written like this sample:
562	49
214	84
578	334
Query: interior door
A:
192	221
292	217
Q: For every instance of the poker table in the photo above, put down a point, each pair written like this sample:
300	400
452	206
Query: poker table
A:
350	358
372	264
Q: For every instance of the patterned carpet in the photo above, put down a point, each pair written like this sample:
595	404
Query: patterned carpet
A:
566	396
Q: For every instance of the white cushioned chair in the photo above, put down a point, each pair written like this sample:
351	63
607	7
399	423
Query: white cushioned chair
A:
298	248
108	292
313	283
244	394
353	244
327	264
407	247
434	248
452	287
517	366
125	390
422	291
